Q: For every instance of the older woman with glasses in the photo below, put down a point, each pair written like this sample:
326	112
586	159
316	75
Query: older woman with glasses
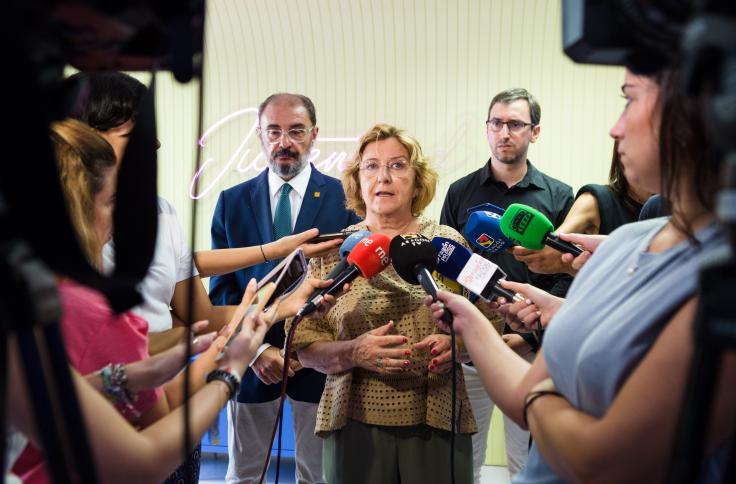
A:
386	410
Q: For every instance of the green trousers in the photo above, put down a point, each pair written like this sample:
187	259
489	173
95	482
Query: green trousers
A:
371	454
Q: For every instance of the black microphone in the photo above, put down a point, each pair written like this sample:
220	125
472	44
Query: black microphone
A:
414	258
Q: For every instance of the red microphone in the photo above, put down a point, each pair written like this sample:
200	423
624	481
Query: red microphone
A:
369	257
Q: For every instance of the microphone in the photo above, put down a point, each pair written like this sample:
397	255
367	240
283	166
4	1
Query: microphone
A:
475	273
345	248
483	231
414	258
486	207
368	258
529	228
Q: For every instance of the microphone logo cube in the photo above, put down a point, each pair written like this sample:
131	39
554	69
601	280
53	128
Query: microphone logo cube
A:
413	240
484	240
385	261
521	221
445	251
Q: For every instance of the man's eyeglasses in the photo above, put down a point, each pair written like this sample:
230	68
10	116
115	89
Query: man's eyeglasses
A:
297	135
398	168
514	125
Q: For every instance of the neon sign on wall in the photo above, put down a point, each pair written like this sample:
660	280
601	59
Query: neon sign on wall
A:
248	155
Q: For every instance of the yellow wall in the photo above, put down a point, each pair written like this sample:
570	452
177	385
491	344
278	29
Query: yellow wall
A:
430	66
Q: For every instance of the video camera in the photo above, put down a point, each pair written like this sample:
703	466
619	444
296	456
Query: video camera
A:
40	38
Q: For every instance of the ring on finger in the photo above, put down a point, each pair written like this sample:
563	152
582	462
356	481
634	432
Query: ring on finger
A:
379	362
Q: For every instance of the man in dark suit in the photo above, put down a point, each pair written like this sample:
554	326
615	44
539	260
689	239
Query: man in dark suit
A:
289	196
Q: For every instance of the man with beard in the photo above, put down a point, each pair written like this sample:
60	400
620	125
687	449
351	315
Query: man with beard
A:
506	178
289	196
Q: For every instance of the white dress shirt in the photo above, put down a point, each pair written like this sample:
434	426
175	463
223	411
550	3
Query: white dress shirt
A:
296	195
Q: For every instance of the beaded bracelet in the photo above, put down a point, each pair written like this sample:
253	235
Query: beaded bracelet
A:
227	375
115	386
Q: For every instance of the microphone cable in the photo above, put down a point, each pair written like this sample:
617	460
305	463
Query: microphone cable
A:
453	357
199	73
278	422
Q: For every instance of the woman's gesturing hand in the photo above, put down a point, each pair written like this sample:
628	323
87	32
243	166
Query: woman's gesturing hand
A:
440	347
379	351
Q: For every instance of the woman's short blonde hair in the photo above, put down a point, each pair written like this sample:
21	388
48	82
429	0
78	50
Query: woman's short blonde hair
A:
84	159
425	176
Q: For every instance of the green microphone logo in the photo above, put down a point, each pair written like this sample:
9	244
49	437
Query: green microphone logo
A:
521	221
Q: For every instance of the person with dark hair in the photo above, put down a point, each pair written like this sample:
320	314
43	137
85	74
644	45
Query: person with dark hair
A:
655	207
109	103
603	398
598	209
289	196
109	349
512	124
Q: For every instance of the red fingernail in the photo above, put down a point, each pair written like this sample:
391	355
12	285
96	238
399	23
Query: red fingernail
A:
434	362
406	363
405	340
431	367
407	352
434	351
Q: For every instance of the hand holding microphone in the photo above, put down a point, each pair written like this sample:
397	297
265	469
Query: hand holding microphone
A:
347	246
538	306
588	242
368	258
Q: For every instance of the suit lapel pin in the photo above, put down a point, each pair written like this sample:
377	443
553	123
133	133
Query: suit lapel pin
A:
316	194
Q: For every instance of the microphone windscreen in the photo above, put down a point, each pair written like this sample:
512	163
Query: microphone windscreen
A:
483	230
451	257
371	255
526	226
409	251
351	241
487	207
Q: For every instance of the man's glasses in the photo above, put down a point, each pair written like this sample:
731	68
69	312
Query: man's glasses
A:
514	125
297	135
371	168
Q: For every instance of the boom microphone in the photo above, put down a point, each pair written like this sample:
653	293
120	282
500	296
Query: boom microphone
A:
414	258
483	231
345	248
368	258
475	273
529	228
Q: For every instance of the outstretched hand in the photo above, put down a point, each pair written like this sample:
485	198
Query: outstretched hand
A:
162	367
294	302
244	346
286	245
523	315
465	314
589	243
